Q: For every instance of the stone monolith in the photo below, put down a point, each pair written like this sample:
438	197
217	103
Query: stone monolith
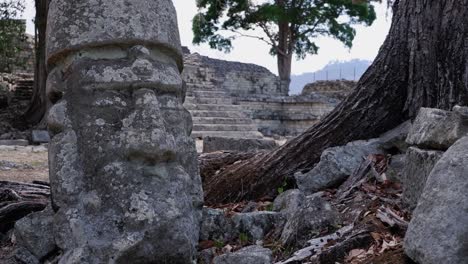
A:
123	167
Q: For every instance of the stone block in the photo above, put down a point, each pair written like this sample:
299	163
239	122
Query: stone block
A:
437	129
418	165
289	202
438	231
216	226
247	255
34	232
335	165
313	216
257	224
212	144
40	136
14	142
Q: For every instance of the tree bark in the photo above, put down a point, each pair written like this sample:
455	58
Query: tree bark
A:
422	63
38	105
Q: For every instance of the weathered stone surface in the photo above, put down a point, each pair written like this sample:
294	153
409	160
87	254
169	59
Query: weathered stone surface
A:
14	142
247	255
437	129
212	144
418	165
396	168
123	168
76	25
438	231
40	136
206	256
257	224
307	222
335	165
289	202
23	256
395	139
33	232
216	226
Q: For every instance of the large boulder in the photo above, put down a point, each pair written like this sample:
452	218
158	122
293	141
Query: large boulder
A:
310	220
438	232
438	129
335	165
212	144
419	164
33	232
247	255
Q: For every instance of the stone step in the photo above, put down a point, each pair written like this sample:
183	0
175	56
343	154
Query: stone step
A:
209	113
208	100
207	93
212	107
231	134
223	127
221	120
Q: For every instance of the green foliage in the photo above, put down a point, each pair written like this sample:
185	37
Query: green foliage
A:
11	32
219	244
289	26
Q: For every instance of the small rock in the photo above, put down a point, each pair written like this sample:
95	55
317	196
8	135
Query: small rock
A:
212	144
314	215
206	256
40	136
216	226
34	232
419	164
289	202
437	129
438	231
247	255
257	224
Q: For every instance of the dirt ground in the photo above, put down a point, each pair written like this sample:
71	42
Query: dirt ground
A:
24	164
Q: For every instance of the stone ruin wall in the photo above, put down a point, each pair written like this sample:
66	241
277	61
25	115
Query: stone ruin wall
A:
259	94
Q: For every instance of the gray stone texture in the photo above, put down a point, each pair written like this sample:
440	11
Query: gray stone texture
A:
257	225
438	231
314	216
247	255
335	165
418	165
437	129
216	226
212	144
289	202
33	232
338	163
123	168
40	136
14	142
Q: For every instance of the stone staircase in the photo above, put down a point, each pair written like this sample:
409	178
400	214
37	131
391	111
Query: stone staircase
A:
23	89
215	114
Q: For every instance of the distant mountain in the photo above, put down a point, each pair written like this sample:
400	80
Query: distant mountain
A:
348	70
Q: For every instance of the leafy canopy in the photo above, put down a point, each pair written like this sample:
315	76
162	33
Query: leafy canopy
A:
288	26
11	32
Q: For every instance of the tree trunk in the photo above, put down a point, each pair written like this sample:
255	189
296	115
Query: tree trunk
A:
283	54
422	63
38	105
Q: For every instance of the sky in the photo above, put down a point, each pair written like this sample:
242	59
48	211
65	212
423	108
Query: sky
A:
365	46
